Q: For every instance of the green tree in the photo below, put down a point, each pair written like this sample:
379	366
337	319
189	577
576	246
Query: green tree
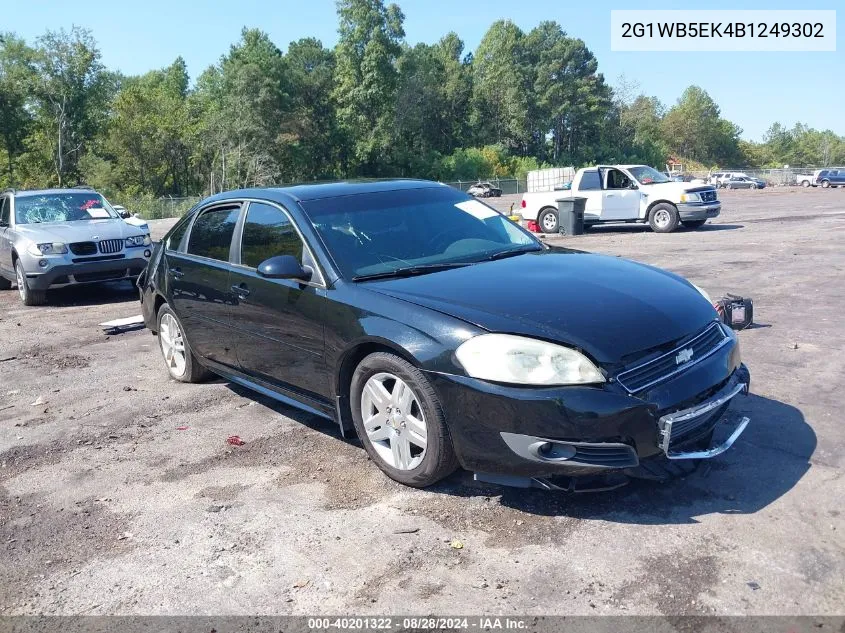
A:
17	79
694	129
71	100
502	93
366	79
311	148
146	140
573	100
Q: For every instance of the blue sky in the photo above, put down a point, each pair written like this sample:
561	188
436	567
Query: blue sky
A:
753	89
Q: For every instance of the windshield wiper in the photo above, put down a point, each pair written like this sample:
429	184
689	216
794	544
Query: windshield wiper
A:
511	252
408	271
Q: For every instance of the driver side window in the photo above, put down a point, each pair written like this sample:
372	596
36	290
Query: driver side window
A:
617	180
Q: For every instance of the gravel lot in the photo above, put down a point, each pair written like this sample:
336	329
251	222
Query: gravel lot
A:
120	495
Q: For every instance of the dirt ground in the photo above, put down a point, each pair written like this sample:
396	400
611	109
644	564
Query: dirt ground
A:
120	495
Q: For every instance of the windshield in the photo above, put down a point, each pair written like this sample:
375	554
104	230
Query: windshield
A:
647	175
378	233
62	207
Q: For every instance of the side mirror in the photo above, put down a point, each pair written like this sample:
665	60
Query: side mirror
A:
284	267
633	185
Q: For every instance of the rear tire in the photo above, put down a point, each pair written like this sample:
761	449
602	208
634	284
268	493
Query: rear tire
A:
548	221
663	218
805	183
694	224
399	401
29	297
181	363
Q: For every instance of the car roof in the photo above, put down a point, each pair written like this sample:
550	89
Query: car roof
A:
42	192
318	191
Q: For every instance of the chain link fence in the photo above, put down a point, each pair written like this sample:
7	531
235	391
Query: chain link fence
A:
507	185
773	177
158	208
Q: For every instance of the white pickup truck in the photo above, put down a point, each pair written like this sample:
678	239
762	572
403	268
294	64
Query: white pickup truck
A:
627	193
808	180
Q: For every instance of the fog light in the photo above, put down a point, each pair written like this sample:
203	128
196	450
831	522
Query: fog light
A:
147	253
43	263
553	451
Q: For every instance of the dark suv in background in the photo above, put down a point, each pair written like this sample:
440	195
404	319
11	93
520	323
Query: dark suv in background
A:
831	178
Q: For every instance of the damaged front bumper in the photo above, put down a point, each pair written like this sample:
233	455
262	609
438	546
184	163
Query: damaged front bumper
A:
594	438
681	421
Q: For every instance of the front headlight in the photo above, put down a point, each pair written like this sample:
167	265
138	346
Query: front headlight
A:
138	240
48	248
690	197
525	361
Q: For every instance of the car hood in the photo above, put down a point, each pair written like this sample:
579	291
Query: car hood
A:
674	188
610	307
79	231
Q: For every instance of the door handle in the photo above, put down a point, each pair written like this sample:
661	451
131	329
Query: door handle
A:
242	291
610	195
176	272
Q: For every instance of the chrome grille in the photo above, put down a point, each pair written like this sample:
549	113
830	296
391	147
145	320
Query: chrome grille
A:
111	246
708	196
671	363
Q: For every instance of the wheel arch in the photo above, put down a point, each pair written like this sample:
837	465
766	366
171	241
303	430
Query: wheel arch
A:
352	357
653	204
346	365
158	301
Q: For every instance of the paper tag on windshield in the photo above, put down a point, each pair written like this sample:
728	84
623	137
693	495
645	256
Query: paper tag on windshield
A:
98	212
474	207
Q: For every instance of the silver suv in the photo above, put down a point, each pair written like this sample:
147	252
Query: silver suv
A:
51	238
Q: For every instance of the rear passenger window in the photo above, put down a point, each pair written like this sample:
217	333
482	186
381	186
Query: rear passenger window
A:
589	180
268	232
4	211
211	235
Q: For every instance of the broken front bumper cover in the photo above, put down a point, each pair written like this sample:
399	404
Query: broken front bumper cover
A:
673	422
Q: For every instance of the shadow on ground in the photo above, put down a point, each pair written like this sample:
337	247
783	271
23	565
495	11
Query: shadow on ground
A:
603	229
768	460
95	294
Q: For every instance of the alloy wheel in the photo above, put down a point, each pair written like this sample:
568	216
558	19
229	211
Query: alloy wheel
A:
21	282
172	345
549	222
394	421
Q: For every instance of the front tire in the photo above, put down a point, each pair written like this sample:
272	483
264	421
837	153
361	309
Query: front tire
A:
805	183
400	421
825	184
548	220
29	297
663	218
693	224
182	364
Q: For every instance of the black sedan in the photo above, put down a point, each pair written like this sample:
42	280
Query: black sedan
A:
442	333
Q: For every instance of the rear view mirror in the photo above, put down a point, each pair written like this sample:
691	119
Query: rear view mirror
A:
284	267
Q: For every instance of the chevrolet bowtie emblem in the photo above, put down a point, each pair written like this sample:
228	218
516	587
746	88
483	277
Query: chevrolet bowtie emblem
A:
95	237
683	356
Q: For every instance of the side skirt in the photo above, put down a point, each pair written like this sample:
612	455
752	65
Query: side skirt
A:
293	399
